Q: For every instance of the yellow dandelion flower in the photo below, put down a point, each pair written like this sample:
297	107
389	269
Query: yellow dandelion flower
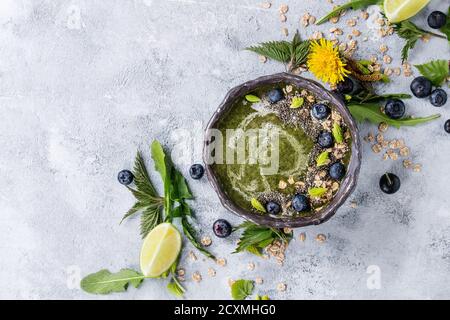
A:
325	63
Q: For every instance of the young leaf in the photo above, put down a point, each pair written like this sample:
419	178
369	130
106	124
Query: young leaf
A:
411	33
252	98
241	289
180	189
300	53
190	233
255	237
150	218
105	282
436	71
147	200
337	133
164	167
323	158
257	205
365	96
297	102
317	192
276	50
372	113
175	288
354	4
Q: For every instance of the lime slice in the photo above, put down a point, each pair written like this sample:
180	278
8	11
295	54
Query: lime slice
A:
399	10
160	250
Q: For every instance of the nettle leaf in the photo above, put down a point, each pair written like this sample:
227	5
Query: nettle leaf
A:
241	289
252	98
276	50
436	71
301	51
372	113
257	205
105	282
297	102
317	192
337	133
323	158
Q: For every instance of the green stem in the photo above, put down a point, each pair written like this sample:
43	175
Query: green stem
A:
436	35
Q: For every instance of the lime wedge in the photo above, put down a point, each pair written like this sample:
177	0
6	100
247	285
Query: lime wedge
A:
399	10
160	250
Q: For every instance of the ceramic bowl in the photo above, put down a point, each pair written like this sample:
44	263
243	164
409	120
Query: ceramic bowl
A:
348	184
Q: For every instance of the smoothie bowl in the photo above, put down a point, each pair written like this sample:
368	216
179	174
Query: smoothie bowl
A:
282	151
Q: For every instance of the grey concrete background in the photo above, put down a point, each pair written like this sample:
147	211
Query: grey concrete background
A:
83	84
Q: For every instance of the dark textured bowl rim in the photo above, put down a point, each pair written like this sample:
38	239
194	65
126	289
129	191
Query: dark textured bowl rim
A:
348	184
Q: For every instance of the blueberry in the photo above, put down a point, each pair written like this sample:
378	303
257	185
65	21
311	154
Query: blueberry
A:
395	108
273	207
325	139
421	87
300	203
437	19
447	126
320	111
275	95
346	86
222	228
337	171
389	183
438	97
196	171
125	177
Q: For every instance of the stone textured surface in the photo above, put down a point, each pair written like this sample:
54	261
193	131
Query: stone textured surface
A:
83	84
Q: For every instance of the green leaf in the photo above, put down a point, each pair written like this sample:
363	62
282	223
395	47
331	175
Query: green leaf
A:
276	50
175	288
337	133
317	192
191	235
446	29
355	4
180	189
252	98
141	178
411	33
257	205
150	218
323	158
436	71
159	157
300	53
372	113
241	289
105	282
148	202
366	96
255	237
297	102
254	250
